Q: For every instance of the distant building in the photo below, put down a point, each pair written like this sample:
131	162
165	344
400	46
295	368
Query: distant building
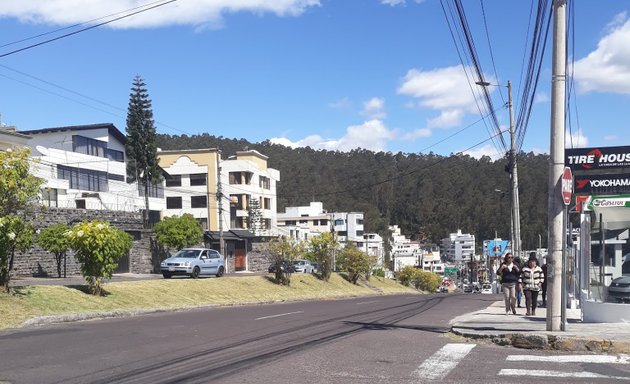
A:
458	247
10	138
405	253
432	262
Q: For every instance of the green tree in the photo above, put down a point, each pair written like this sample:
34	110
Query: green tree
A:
18	190
355	262
177	232
15	234
141	144
283	250
427	281
322	249
98	246
53	240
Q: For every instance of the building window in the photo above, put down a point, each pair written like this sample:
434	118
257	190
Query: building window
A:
264	182
323	222
174	180
290	222
115	155
84	179
359	221
265	203
87	146
174	202
197	179
49	197
240	178
339	222
155	190
199	202
266	224
342	233
359	233
80	203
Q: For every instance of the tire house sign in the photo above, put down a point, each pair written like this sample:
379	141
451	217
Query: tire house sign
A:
584	159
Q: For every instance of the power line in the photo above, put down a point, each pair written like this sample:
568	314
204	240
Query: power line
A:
86	28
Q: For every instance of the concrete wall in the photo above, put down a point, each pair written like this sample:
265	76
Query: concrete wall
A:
143	258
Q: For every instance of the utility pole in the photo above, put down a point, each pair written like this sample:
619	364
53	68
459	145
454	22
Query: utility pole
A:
516	216
220	206
556	167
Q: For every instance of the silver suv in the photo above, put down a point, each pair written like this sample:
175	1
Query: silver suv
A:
193	262
303	266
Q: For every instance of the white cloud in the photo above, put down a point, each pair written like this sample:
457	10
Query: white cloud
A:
575	139
447	119
374	108
486	150
417	134
606	69
344	103
371	135
541	97
188	12
393	3
443	88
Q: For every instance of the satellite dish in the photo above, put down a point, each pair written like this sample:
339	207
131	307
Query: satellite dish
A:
41	149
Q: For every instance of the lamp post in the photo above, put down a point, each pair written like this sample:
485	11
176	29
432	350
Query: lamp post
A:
515	219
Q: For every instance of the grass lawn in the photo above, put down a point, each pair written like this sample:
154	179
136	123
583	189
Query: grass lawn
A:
30	302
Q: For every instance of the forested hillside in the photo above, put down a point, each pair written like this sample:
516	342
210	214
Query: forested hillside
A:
427	195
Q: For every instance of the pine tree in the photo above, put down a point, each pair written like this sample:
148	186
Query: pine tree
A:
141	145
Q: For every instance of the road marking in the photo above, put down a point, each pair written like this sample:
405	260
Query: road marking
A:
281	314
541	373
367	302
596	359
443	361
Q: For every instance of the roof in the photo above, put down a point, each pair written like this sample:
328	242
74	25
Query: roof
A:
115	132
234	234
12	132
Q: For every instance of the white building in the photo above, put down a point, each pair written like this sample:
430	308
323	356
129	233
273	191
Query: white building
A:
304	222
405	253
431	261
372	245
10	138
84	167
459	247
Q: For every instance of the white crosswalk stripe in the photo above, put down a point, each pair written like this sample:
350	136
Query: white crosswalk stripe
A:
557	374
436	367
593	359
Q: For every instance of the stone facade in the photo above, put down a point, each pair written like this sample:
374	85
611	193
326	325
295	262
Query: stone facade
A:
144	256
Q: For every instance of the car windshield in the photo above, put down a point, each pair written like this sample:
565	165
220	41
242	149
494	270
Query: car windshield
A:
298	262
187	253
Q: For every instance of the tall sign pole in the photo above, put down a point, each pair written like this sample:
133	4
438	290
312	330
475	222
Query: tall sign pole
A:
556	167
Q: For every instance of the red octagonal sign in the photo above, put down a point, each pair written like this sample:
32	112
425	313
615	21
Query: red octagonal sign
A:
567	186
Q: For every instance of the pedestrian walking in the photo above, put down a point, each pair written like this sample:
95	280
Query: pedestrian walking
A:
509	272
531	280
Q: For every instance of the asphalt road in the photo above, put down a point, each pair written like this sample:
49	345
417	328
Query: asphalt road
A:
381	339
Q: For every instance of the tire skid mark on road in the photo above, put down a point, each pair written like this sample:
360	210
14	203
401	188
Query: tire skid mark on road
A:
279	315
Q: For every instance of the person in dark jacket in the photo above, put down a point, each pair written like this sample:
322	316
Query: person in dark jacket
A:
543	286
519	287
509	272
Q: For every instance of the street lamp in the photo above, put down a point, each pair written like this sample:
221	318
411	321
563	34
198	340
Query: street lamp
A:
516	219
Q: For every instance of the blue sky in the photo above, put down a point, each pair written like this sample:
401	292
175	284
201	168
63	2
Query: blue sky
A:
331	74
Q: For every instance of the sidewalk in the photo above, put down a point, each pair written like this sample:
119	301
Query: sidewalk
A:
530	331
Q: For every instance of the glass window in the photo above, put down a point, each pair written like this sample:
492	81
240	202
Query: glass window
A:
198	202
174	202
339	222
84	179
198	179
49	197
174	180
359	221
115	155
80	203
264	182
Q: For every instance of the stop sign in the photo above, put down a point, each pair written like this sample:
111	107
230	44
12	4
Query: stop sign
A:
567	186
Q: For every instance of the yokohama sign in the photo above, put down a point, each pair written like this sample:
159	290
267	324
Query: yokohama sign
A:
597	158
602	184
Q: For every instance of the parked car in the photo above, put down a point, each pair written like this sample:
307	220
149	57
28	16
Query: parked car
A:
619	288
303	266
193	262
468	288
284	266
486	289
316	267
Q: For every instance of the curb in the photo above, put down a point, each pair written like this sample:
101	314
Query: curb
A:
547	341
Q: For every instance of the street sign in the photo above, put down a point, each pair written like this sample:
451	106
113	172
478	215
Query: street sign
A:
567	186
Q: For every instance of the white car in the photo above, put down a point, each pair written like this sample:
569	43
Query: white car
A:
303	266
486	289
193	262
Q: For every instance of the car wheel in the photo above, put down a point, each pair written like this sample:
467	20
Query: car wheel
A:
167	275
195	273
220	272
